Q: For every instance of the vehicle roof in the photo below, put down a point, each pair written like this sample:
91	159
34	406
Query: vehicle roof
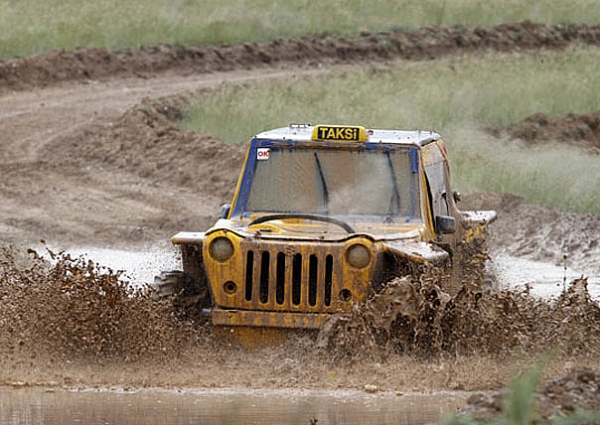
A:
303	133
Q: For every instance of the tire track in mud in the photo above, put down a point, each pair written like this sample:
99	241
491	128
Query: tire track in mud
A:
27	115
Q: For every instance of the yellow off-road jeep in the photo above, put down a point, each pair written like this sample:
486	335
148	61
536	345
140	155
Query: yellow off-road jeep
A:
322	217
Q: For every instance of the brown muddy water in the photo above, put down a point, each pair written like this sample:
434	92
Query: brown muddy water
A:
221	407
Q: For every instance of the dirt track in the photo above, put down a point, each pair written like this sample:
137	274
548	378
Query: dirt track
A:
61	177
104	164
426	43
101	162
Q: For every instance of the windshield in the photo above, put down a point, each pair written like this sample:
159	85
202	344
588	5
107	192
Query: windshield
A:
378	183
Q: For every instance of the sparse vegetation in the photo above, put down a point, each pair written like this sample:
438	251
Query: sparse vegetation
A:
493	90
30	26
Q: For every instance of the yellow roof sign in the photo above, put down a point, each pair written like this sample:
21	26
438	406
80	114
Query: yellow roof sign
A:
340	133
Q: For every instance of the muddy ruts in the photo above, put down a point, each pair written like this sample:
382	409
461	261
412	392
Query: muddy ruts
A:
423	43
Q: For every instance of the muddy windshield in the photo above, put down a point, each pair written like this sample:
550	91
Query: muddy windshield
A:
374	184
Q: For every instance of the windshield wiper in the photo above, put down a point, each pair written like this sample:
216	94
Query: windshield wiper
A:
323	183
395	199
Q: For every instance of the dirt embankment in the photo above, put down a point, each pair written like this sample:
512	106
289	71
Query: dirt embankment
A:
582	130
424	43
148	143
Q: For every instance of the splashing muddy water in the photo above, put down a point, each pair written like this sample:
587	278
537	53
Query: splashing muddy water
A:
71	307
138	267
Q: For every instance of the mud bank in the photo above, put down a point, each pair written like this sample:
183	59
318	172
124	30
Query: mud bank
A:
578	389
581	130
425	43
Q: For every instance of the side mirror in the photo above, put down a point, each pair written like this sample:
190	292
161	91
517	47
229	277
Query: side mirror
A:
224	211
445	224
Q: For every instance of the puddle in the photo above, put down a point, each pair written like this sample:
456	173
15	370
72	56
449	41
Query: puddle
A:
545	279
221	407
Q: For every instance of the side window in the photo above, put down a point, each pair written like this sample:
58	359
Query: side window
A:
436	173
436	176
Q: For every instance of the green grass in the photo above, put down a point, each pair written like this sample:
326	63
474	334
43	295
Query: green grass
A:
33	26
457	92
559	176
455	96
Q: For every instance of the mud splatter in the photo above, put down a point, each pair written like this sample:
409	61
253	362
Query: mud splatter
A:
71	308
419	318
73	312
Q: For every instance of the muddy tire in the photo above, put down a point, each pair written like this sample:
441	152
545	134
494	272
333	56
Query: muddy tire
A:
167	284
190	296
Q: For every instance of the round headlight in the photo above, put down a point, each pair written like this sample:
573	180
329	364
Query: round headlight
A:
358	256
221	249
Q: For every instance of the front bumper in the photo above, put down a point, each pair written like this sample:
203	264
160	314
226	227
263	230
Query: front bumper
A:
268	319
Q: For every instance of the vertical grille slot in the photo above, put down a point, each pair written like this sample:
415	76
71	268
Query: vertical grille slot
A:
328	279
313	276
280	289
249	272
264	277
279	279
296	278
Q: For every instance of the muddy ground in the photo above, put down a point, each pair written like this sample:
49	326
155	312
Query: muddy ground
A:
92	155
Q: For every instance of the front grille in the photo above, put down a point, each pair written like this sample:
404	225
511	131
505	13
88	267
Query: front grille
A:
279	280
